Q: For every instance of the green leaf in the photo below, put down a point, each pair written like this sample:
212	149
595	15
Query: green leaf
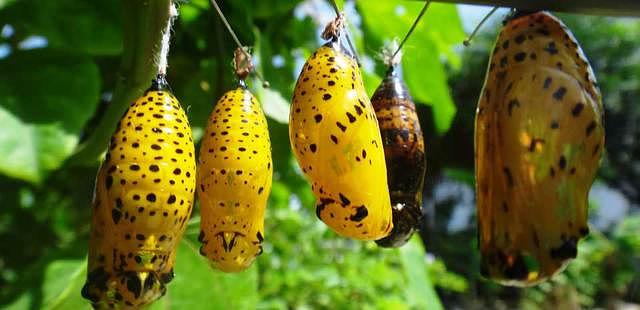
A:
198	286
44	104
92	27
427	82
273	104
270	8
60	289
419	290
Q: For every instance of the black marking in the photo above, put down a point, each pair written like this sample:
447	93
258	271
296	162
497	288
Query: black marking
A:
259	236
116	215
520	57
323	203
590	128
504	61
342	127
584	231
351	117
318	118
562	163
534	143
520	38
133	283
508	175
313	147
559	94
551	48
172	199
518	270
554	125
326	97
334	139
547	83
577	109
361	213
568	249
513	103
109	182
345	201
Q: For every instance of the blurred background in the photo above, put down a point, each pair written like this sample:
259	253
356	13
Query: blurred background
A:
58	70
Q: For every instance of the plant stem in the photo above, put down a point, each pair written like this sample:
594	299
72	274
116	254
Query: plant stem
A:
143	24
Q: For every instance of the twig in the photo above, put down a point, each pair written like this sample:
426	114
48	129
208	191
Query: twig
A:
241	47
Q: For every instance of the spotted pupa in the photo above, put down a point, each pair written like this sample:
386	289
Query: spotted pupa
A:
142	201
404	153
335	138
234	178
538	139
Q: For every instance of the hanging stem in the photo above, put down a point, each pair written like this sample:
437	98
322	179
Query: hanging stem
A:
241	47
413	27
351	46
467	41
144	23
166	41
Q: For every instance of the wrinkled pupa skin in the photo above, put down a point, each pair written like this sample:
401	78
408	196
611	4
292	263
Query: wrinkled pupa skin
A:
539	137
335	138
234	181
404	153
142	201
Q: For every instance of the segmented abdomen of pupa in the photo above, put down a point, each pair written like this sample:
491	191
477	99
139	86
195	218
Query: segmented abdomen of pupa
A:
404	154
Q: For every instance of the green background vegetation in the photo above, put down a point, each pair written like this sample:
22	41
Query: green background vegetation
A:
54	100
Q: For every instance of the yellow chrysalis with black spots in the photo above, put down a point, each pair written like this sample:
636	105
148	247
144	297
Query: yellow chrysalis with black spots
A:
234	181
539	136
142	201
335	138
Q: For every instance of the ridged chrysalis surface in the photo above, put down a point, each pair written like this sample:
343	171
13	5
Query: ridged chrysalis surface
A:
143	199
539	136
404	153
234	181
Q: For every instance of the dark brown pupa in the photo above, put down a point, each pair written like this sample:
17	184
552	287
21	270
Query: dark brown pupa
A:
404	155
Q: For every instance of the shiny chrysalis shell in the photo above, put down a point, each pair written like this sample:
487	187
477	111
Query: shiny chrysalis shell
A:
142	201
234	181
404	153
335	138
539	136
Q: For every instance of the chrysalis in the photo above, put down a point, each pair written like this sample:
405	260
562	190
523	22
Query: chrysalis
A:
234	180
336	140
404	153
143	199
539	136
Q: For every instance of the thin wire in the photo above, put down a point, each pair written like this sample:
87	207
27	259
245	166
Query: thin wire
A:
351	46
413	27
235	38
467	41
